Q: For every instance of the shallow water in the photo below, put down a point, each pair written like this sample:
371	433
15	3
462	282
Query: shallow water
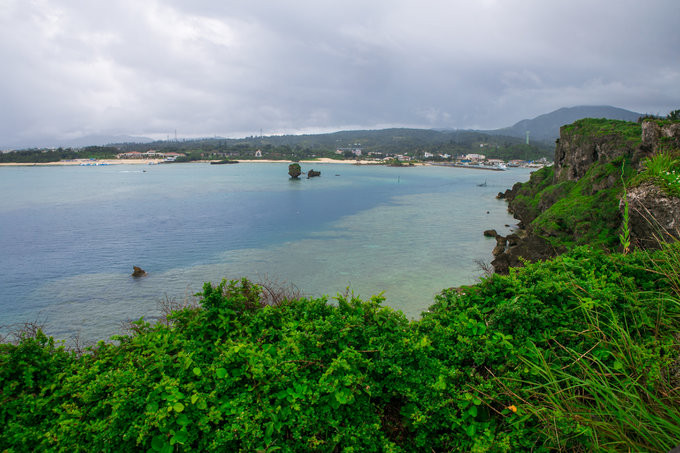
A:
70	235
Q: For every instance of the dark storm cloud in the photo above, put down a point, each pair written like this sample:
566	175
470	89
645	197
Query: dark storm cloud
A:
232	68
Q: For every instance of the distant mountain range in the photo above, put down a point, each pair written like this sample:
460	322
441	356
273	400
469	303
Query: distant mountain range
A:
544	128
547	127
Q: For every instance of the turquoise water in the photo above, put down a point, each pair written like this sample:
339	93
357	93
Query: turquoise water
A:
70	235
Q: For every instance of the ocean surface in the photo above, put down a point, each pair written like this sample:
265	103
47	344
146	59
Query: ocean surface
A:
69	235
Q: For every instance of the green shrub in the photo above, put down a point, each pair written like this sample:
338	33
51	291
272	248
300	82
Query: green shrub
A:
474	374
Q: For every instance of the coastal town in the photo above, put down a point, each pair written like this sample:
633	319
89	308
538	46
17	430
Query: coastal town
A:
353	155
154	157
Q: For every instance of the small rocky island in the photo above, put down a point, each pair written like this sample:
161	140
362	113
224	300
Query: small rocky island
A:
294	171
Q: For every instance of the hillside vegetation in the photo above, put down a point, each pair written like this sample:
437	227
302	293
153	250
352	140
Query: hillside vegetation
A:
578	201
580	352
414	142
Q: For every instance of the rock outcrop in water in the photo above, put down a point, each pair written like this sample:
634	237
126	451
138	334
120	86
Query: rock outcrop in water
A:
294	170
138	272
313	174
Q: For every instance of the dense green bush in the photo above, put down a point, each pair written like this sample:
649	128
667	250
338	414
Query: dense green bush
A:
473	374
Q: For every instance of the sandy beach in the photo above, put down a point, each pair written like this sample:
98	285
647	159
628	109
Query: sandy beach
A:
83	162
89	162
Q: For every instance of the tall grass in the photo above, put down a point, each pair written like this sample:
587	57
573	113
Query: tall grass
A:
623	392
624	236
663	169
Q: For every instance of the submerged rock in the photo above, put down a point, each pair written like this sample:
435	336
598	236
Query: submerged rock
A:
313	174
138	272
490	233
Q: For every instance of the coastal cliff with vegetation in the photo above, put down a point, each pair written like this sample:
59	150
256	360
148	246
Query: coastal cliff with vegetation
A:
600	165
577	353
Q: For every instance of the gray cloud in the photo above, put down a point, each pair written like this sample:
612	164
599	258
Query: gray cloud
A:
230	68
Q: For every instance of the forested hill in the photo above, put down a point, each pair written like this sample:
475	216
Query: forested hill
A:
416	143
387	141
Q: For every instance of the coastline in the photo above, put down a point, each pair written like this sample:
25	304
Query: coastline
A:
83	162
89	162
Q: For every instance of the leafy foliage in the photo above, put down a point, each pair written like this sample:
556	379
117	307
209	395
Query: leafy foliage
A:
306	375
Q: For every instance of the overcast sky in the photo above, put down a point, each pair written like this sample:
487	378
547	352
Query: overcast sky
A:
231	68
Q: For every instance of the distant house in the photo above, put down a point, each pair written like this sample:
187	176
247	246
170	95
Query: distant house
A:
474	156
130	155
355	151
258	153
427	155
171	157
495	161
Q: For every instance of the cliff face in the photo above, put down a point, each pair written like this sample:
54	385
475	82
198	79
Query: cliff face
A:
578	201
656	136
583	144
653	216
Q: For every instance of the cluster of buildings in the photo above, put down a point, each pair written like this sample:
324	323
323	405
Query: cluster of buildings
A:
474	159
480	159
151	154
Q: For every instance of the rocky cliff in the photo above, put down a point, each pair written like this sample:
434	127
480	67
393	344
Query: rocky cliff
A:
579	200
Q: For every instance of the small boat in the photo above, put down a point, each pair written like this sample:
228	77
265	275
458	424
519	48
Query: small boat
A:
482	184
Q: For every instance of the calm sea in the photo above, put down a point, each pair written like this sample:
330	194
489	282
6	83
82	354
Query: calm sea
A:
69	236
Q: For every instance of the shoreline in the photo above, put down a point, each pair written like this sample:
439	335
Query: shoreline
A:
105	162
83	162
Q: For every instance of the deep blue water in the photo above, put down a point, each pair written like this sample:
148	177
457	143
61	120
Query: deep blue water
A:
69	236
